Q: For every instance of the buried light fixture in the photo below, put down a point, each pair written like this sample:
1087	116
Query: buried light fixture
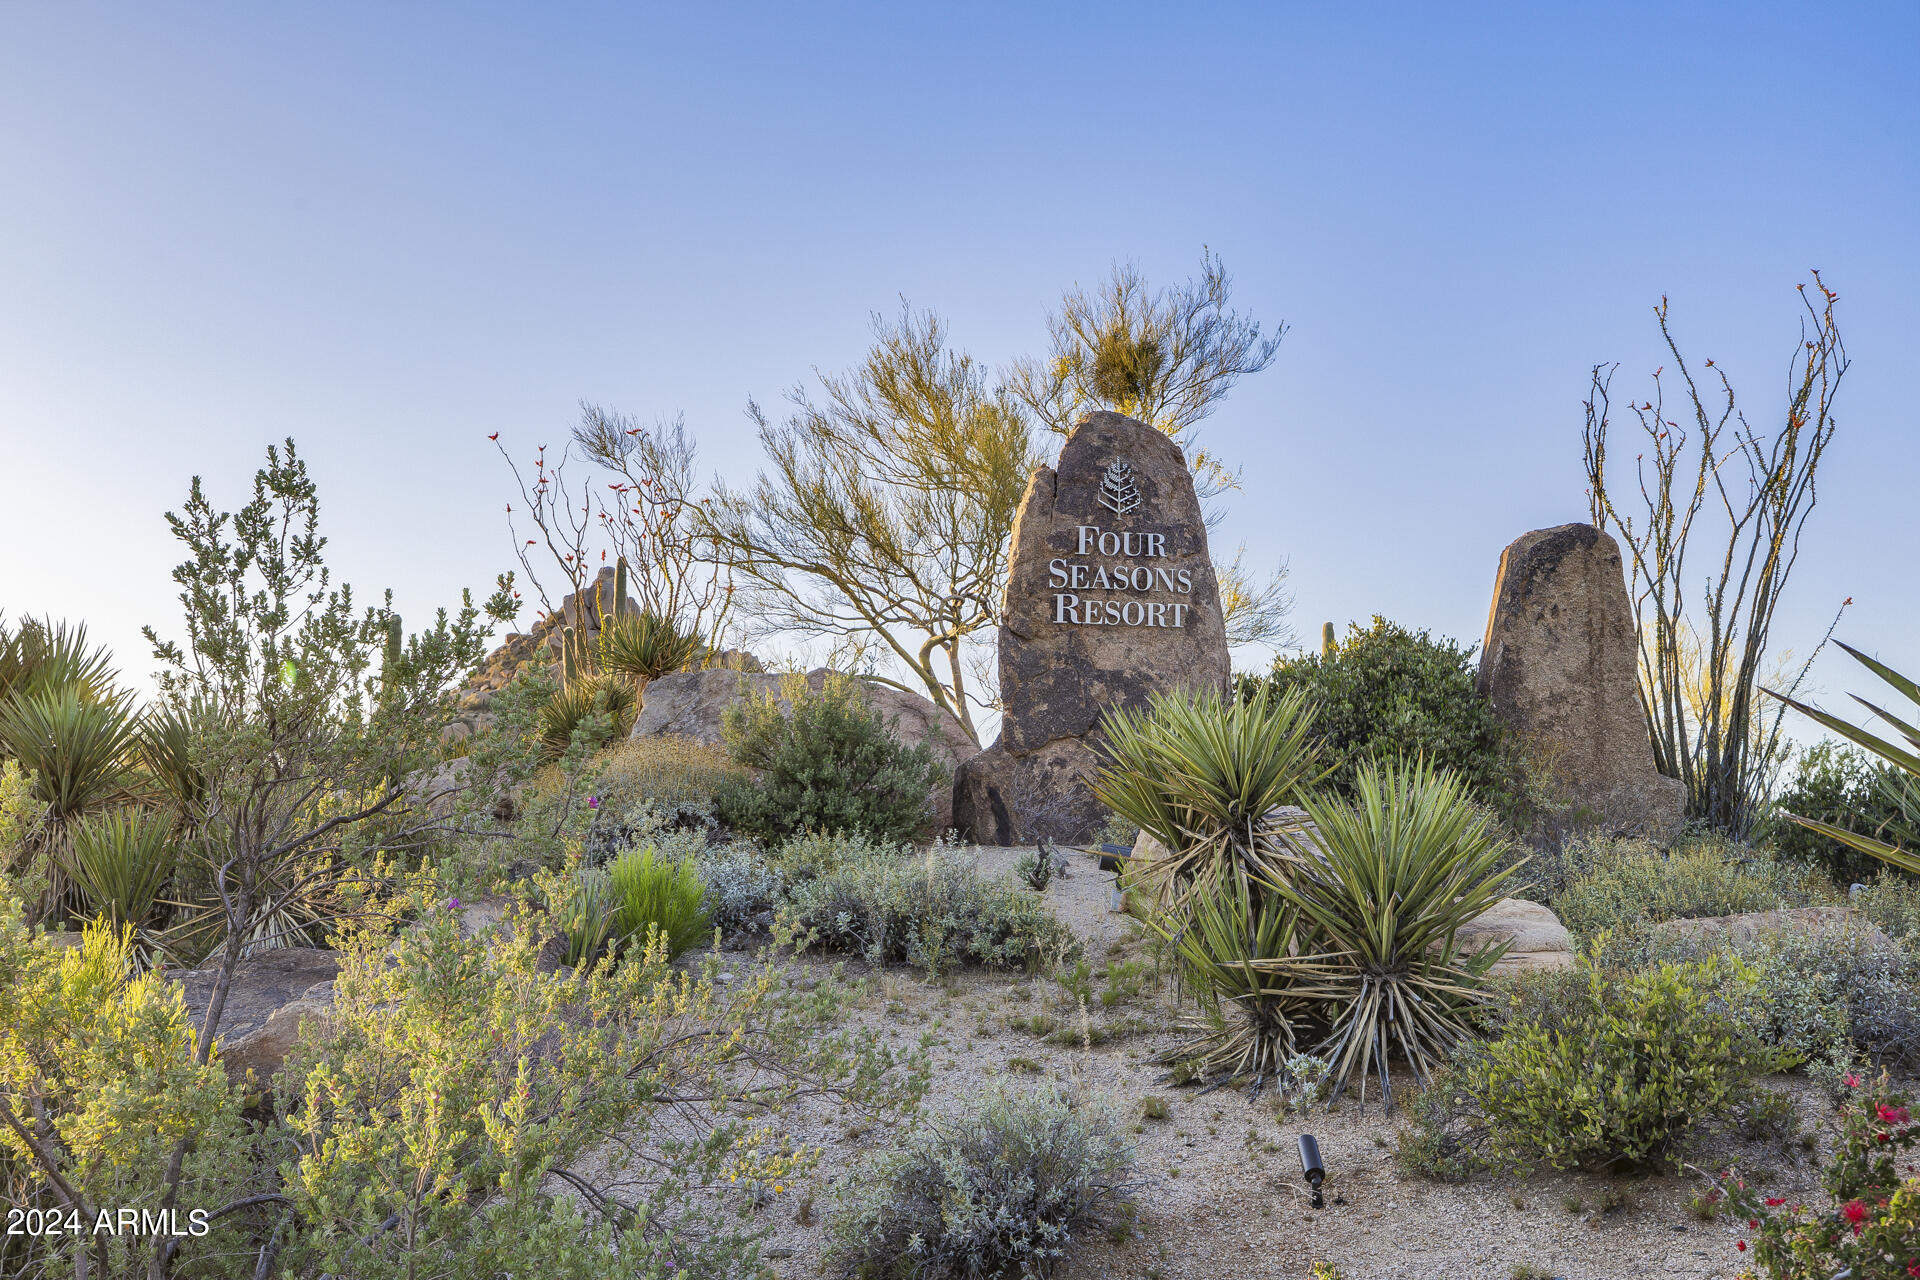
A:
1311	1166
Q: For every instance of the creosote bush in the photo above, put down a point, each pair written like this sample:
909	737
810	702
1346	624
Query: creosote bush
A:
1629	1073
825	762
935	912
1008	1189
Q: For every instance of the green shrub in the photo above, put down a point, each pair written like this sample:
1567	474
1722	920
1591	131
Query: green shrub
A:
741	883
1847	788
1388	693
1630	1073
1009	1189
1892	900
827	763
1627	881
813	854
1870	1227
656	895
934	912
1439	1139
120	860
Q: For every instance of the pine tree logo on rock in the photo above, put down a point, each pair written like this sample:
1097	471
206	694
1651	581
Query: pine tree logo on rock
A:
1118	493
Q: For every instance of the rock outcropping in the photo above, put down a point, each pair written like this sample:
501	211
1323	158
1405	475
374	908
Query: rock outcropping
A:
1110	597
1560	665
271	993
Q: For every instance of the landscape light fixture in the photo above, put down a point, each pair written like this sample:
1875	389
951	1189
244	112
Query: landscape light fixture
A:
1311	1166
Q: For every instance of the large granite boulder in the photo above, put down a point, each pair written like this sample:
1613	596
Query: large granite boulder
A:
1560	665
692	703
1110	597
271	994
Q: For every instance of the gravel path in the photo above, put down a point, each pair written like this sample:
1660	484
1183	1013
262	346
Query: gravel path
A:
1219	1179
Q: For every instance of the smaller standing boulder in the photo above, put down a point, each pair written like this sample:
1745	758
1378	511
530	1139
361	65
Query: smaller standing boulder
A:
271	993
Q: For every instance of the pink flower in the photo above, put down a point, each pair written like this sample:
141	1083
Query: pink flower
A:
1850	1080
1774	1202
1892	1115
593	802
1741	1246
1854	1211
453	904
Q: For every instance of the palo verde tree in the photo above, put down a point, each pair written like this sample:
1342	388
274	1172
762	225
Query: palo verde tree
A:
1709	481
1166	357
887	509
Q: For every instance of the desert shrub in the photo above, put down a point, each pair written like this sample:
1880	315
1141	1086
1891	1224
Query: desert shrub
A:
1630	1075
643	784
741	883
458	1087
813	854
826	763
936	912
1891	899
1847	788
1870	1229
120	860
591	710
1387	693
1008	1189
104	1055
1440	1137
1627	881
20	817
657	895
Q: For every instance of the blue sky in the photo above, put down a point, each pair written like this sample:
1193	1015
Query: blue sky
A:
390	231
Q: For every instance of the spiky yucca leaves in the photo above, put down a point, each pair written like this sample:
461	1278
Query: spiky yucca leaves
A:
45	656
588	916
644	646
1201	773
76	748
121	860
166	748
1899	757
605	694
1225	945
1399	869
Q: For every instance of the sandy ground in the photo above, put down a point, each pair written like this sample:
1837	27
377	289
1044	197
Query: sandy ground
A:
1219	1180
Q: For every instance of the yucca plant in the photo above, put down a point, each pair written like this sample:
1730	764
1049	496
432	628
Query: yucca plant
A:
1203	774
76	748
605	694
46	656
1224	944
651	892
120	860
1399	869
588	917
644	646
166	747
1899	757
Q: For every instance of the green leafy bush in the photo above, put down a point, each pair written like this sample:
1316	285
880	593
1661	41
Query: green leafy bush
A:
742	885
826	763
813	854
1440	1139
1870	1229
934	912
1009	1189
1626	881
1891	900
1388	693
1631	1071
657	895
1844	787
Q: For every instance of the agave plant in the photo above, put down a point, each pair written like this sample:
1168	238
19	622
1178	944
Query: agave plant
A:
1899	757
120	860
588	917
1203	776
644	646
604	694
1397	871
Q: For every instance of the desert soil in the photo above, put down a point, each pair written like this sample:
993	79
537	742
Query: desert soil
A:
1218	1180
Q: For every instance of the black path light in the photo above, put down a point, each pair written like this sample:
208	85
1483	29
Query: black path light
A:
1310	1165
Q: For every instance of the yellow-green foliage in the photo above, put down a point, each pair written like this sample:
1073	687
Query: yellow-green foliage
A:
106	1055
671	777
1625	1076
457	1079
1629	880
20	814
658	901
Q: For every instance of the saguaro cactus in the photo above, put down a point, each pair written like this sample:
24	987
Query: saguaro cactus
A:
1327	641
620	587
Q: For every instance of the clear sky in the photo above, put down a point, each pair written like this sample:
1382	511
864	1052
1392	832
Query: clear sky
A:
389	231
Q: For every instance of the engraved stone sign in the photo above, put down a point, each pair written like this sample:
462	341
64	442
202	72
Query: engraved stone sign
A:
1110	596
